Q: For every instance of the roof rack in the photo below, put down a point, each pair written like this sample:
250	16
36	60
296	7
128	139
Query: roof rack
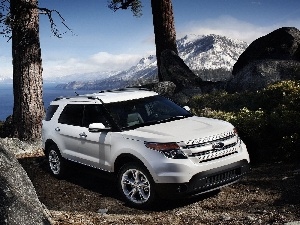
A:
90	96
126	89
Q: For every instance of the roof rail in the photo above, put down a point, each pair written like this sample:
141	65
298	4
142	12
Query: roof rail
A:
90	96
125	89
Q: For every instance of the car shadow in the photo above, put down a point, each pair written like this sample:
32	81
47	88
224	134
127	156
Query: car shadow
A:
170	204
88	189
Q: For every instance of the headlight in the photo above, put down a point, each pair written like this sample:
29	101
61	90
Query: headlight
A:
170	150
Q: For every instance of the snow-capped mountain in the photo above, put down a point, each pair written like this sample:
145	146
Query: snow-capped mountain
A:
201	53
210	51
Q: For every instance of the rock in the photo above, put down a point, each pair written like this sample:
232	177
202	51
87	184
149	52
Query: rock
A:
165	88
293	223
18	147
251	218
19	203
102	211
281	44
226	217
261	73
268	59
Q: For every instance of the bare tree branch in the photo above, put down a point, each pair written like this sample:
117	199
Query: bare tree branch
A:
54	29
6	20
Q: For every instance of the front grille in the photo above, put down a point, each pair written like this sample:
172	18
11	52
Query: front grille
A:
216	153
209	140
213	147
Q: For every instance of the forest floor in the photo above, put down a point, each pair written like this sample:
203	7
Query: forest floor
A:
269	194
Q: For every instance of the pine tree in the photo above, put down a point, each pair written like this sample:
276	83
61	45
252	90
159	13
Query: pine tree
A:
163	23
27	70
164	29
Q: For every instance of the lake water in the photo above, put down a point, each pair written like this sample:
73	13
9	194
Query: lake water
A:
49	93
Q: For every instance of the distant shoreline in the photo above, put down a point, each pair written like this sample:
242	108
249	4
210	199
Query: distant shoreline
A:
50	92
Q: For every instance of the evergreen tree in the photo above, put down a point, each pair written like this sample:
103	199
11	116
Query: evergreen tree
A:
163	22
164	29
19	21
27	70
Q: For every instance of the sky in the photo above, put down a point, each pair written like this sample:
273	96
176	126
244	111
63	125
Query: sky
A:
103	40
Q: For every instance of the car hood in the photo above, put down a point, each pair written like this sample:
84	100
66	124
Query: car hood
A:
180	130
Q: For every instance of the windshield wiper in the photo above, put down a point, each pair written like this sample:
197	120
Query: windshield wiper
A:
172	118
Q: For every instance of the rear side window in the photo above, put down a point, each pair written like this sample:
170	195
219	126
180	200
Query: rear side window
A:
72	115
50	112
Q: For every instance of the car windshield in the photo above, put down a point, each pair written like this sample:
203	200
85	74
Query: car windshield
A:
145	111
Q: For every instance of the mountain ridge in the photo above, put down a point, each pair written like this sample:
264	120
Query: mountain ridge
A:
204	54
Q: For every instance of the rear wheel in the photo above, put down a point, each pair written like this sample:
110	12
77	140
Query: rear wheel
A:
136	185
56	162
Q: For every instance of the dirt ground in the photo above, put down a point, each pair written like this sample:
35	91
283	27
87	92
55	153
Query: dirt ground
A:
269	194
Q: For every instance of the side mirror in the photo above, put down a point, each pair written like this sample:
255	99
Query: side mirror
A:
98	127
187	108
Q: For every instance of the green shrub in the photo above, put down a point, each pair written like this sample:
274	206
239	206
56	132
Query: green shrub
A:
268	120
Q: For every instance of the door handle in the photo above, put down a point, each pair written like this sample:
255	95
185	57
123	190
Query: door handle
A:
83	135
57	129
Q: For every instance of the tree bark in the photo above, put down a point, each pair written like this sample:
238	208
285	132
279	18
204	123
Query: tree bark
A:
27	70
164	29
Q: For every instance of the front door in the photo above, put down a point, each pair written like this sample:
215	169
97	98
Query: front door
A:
94	146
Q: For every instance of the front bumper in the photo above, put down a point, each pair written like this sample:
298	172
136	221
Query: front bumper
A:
204	181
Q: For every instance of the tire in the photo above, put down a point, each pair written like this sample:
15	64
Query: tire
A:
56	162
136	186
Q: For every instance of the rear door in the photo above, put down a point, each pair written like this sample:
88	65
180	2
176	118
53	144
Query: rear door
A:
69	128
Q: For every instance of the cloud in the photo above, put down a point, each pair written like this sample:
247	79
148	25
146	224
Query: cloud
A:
62	66
109	62
231	27
101	61
6	67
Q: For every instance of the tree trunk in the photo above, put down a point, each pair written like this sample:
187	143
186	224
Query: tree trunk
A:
164	29
27	70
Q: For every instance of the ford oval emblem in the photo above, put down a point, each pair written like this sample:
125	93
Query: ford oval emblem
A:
218	145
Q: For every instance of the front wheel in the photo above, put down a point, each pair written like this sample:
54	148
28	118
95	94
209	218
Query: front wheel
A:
56	162
136	185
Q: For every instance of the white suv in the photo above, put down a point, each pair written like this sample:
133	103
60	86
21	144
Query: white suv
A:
152	146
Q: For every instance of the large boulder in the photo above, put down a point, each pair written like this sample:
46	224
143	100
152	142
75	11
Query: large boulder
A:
268	59
19	203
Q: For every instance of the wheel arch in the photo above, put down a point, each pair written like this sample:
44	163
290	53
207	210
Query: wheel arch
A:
125	158
48	143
